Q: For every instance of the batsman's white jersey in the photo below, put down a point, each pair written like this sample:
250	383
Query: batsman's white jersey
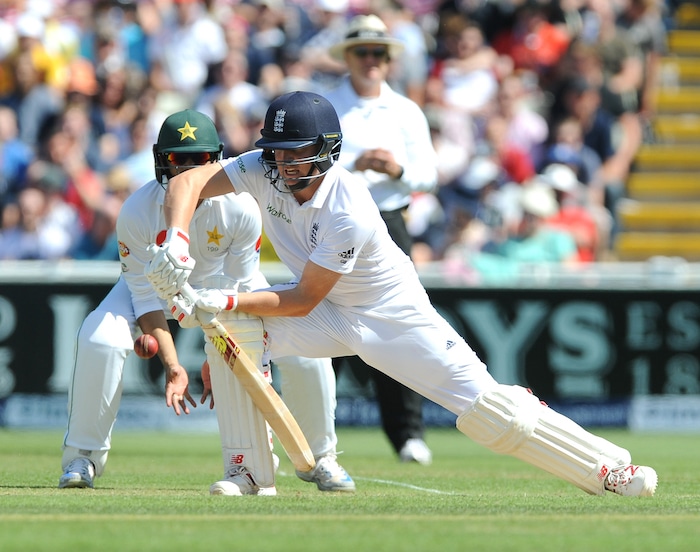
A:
379	292
224	239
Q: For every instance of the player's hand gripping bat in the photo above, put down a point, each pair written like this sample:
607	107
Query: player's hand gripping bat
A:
261	392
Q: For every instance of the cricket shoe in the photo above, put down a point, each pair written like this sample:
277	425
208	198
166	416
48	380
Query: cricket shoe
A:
79	474
239	482
328	475
415	450
631	480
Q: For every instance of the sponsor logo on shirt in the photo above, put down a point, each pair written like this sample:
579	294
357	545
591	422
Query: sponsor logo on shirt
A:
123	249
274	212
241	165
314	234
346	255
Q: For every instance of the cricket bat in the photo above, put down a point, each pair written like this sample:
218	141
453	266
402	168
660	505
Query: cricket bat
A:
261	392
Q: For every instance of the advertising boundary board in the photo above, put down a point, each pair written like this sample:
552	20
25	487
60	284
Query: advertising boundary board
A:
605	356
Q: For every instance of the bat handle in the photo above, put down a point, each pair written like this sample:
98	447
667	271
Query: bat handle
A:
205	318
188	293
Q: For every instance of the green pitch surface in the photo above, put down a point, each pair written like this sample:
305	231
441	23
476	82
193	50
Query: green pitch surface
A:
154	496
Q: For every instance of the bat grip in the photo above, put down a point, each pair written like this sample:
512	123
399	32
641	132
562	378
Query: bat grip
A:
205	318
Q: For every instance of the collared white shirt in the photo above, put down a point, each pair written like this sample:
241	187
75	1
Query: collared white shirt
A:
339	228
392	122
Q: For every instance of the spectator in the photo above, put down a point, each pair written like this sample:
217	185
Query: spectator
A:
527	129
472	216
33	238
15	156
582	101
533	242
137	167
34	101
409	72
64	146
231	87
267	38
533	43
574	215
186	45
515	160
465	80
99	243
568	148
642	21
329	17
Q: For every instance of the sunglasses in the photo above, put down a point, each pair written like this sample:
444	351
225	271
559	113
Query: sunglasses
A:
195	157
377	53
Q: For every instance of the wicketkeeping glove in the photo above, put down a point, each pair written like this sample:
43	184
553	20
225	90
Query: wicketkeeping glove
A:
171	264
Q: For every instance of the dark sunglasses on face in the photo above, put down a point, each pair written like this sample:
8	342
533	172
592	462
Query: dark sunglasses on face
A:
182	158
377	53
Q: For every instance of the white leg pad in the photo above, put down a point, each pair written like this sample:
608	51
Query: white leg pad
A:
245	435
510	420
308	389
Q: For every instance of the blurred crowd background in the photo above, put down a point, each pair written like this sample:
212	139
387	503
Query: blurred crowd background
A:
536	108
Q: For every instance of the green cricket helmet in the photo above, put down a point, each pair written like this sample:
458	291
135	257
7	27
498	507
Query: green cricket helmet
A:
186	139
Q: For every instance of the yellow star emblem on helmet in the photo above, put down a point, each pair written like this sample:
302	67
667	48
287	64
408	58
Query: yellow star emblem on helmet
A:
187	132
214	236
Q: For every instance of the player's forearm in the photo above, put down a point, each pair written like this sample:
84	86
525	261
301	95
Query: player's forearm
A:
273	303
180	201
186	189
155	324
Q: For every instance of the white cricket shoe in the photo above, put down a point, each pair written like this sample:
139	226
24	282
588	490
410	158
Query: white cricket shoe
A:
415	450
328	475
79	474
239	482
631	480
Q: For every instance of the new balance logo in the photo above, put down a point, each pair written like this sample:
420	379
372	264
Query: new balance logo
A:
237	459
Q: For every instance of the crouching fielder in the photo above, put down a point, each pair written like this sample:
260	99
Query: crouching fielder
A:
359	294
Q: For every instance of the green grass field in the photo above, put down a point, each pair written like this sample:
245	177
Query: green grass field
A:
154	496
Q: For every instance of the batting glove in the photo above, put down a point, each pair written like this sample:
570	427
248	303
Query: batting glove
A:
171	264
183	311
217	300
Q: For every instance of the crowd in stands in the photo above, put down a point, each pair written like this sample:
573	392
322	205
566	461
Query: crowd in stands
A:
536	108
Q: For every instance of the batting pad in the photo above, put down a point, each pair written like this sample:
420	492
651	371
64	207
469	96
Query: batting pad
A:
245	436
510	420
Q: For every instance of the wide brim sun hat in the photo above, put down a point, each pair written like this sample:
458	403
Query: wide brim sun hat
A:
366	29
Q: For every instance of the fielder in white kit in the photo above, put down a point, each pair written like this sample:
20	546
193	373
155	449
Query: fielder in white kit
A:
358	293
226	238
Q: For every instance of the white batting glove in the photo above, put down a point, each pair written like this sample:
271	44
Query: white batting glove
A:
171	264
183	311
217	300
